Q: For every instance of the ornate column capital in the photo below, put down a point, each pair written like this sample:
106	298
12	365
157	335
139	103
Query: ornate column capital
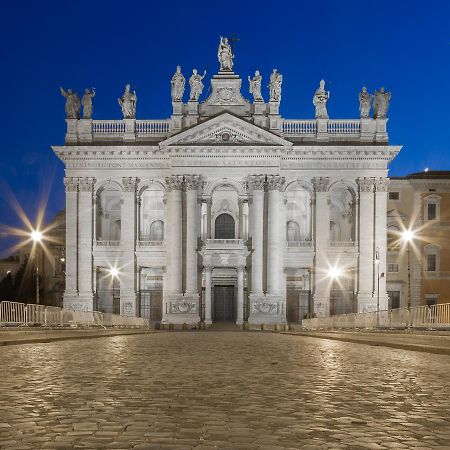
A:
86	184
192	182
381	184
365	184
174	182
130	183
321	184
71	184
257	182
275	182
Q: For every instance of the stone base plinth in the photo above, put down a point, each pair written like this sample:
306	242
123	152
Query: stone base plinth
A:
321	306
84	301
267	309
366	303
181	309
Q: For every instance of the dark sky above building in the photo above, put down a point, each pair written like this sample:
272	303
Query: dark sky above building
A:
403	46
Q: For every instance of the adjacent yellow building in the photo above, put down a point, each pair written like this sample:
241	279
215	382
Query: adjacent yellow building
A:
418	226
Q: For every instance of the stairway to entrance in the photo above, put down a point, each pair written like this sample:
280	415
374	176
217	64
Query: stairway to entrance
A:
224	326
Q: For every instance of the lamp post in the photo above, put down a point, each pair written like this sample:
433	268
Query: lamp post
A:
36	236
407	237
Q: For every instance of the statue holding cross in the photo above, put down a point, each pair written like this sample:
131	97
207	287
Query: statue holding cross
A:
225	54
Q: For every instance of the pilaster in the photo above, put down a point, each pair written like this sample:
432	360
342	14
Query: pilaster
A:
71	290
128	281
240	295
322	237
366	263
85	235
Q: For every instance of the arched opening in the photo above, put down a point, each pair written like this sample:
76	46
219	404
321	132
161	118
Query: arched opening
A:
224	227
151	214
108	213
292	231
342	215
157	231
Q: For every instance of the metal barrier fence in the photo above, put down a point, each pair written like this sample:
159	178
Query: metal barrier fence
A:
15	313
431	317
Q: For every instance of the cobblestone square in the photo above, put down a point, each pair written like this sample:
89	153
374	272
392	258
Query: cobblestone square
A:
222	390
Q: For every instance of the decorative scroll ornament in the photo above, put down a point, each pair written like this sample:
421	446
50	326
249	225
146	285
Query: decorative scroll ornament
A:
226	96
192	182
381	184
183	307
265	308
365	184
129	184
257	182
321	184
174	182
275	182
86	184
71	184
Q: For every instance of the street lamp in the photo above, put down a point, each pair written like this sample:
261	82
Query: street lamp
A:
36	236
407	237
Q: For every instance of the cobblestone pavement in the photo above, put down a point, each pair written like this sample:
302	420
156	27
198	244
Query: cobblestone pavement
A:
222	390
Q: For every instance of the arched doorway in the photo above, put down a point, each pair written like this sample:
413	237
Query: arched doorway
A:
224	227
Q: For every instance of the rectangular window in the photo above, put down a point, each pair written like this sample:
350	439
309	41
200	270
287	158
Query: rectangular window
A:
392	268
431	211
394	195
394	299
431	263
430	300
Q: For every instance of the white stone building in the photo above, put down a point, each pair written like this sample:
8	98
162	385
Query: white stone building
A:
226	211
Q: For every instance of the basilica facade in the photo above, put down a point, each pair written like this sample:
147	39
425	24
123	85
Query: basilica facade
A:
226	211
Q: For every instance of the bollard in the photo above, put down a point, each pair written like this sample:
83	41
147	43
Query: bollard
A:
286	327
184	326
263	327
277	327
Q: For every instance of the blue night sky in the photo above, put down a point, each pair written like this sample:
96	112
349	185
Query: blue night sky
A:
403	46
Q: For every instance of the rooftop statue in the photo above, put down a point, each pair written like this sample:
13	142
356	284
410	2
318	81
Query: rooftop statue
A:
275	86
364	103
196	84
72	103
381	101
225	54
86	101
320	101
255	87
128	103
178	82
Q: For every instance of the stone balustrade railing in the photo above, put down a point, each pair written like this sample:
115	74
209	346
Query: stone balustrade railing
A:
224	242
340	244
101	243
367	130
296	244
128	130
142	243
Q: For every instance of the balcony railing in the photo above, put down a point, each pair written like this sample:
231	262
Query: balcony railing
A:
296	244
226	242
342	244
299	126
101	243
142	243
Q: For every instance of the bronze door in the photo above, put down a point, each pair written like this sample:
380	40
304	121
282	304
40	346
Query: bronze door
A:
224	309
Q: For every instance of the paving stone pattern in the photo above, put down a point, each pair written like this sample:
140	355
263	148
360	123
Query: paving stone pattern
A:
222	390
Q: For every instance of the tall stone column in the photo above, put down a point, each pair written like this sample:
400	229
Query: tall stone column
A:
192	183
128	281
208	288
257	181
366	287
71	291
208	218
322	237
381	187
85	235
240	295
275	252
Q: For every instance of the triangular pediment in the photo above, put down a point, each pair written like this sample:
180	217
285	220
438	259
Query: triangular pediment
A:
225	129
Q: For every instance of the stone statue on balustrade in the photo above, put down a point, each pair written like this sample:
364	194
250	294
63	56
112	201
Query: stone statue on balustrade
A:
225	54
86	101
364	103
128	103
196	84
381	101
178	82
255	87
275	86
72	103
320	101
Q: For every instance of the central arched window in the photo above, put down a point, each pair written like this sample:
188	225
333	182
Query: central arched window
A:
224	227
